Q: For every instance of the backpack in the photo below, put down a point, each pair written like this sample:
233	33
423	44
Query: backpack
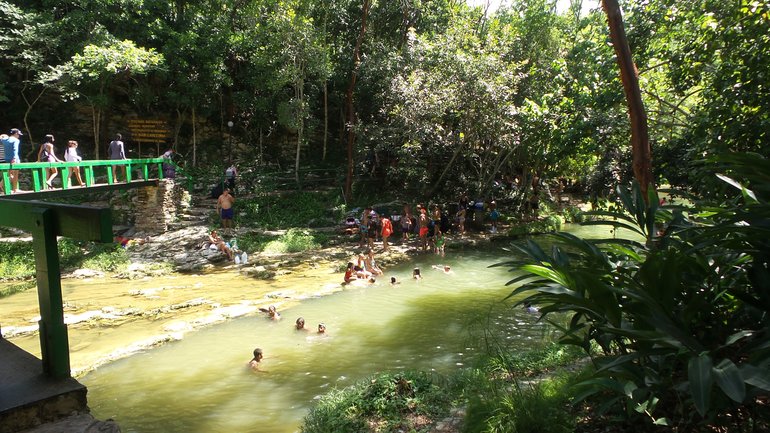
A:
43	155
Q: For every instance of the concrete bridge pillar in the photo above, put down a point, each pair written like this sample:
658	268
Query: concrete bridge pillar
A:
158	206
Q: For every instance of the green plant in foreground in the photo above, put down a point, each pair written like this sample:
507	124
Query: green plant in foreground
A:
682	318
393	402
513	407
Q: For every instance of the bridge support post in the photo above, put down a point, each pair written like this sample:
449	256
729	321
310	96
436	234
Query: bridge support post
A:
54	342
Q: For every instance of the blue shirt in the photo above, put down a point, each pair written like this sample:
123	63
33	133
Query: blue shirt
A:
11	145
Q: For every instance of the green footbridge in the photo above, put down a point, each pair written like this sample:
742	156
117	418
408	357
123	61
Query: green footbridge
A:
95	173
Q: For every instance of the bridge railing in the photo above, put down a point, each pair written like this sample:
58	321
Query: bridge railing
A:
91	169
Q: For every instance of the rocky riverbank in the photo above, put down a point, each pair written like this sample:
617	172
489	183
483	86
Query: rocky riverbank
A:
110	316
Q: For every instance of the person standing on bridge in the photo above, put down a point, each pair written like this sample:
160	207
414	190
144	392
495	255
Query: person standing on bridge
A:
225	208
47	153
71	155
11	144
116	152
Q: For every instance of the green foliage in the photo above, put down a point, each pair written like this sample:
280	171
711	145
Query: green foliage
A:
538	407
17	288
18	260
106	257
290	209
549	224
390	401
681	318
504	393
293	241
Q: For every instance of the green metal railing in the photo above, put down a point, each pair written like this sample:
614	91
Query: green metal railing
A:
91	169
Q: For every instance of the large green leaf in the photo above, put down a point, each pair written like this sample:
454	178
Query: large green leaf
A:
729	379
699	372
755	376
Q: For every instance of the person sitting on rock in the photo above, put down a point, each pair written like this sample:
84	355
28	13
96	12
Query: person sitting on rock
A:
220	244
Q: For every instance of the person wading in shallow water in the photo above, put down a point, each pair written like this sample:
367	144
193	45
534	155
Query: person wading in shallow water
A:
254	363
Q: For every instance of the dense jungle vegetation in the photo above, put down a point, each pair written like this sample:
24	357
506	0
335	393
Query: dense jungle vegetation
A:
418	99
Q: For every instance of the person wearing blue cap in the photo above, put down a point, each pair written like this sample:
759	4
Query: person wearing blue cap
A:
12	145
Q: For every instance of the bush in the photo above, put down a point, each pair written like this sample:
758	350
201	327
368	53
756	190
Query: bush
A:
292	209
537	407
549	224
293	241
391	402
681	318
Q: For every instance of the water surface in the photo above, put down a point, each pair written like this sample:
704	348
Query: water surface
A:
201	384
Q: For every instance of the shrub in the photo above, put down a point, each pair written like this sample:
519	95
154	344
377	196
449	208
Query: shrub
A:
681	318
392	402
549	224
292	209
293	241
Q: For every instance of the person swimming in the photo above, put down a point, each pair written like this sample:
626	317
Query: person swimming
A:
446	268
393	281
530	309
300	324
272	313
254	363
416	274
321	328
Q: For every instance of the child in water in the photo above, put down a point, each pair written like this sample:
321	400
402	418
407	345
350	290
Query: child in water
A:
416	274
254	363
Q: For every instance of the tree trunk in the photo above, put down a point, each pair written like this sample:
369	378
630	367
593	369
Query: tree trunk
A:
194	138
300	95
351	118
326	118
640	142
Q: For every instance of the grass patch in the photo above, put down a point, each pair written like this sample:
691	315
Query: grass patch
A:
542	407
294	240
408	402
17	259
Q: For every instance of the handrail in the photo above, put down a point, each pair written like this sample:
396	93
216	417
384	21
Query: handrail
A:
39	174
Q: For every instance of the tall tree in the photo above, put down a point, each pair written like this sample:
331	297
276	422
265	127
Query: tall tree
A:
351	114
640	141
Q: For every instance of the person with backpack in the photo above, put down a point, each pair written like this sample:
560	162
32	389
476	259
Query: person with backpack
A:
11	145
117	151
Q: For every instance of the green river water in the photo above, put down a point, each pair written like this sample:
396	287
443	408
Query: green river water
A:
202	383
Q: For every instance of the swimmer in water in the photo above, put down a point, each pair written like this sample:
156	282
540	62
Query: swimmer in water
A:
530	309
321	328
300	324
416	274
254	363
273	314
446	268
393	281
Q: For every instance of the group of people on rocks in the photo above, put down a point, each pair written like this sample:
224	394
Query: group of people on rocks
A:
299	325
429	225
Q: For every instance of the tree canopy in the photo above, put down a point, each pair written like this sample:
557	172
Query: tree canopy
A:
446	99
